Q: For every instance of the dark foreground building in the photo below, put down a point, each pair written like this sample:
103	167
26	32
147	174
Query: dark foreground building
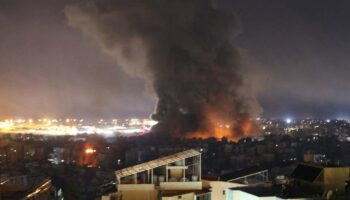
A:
25	188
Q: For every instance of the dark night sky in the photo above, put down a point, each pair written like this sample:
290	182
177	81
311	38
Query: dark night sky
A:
48	68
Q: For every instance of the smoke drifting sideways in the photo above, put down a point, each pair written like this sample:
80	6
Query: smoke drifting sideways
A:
184	51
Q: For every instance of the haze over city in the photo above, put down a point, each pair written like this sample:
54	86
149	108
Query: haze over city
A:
174	99
296	52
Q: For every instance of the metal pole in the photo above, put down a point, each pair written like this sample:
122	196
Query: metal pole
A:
166	173
184	172
200	167
152	175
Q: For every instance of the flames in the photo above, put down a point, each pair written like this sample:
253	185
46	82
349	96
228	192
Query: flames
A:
233	131
218	132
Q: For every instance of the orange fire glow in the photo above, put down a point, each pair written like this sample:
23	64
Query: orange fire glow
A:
90	151
88	157
232	131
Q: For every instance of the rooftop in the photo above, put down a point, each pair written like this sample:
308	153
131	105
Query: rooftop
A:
170	193
241	173
156	163
270	190
306	172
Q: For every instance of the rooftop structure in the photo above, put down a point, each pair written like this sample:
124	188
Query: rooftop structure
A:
240	178
175	161
265	191
307	181
306	172
253	175
321	178
177	175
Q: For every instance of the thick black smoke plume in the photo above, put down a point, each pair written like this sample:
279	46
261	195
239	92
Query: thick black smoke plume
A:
183	49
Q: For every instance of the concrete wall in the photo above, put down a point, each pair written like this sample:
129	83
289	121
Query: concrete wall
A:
110	196
138	194
137	191
176	173
180	185
122	187
240	195
218	188
189	196
334	178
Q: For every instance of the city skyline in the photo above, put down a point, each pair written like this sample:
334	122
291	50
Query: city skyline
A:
174	99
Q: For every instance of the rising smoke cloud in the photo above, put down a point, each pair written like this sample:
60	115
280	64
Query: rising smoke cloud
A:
184	51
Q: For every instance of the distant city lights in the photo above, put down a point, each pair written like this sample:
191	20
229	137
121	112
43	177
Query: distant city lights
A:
288	120
71	126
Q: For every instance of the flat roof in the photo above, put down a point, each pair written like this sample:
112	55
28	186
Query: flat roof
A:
242	173
261	190
270	190
171	193
306	172
156	163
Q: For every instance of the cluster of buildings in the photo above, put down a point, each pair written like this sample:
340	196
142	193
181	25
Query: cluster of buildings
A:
62	160
72	126
279	163
312	127
178	176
